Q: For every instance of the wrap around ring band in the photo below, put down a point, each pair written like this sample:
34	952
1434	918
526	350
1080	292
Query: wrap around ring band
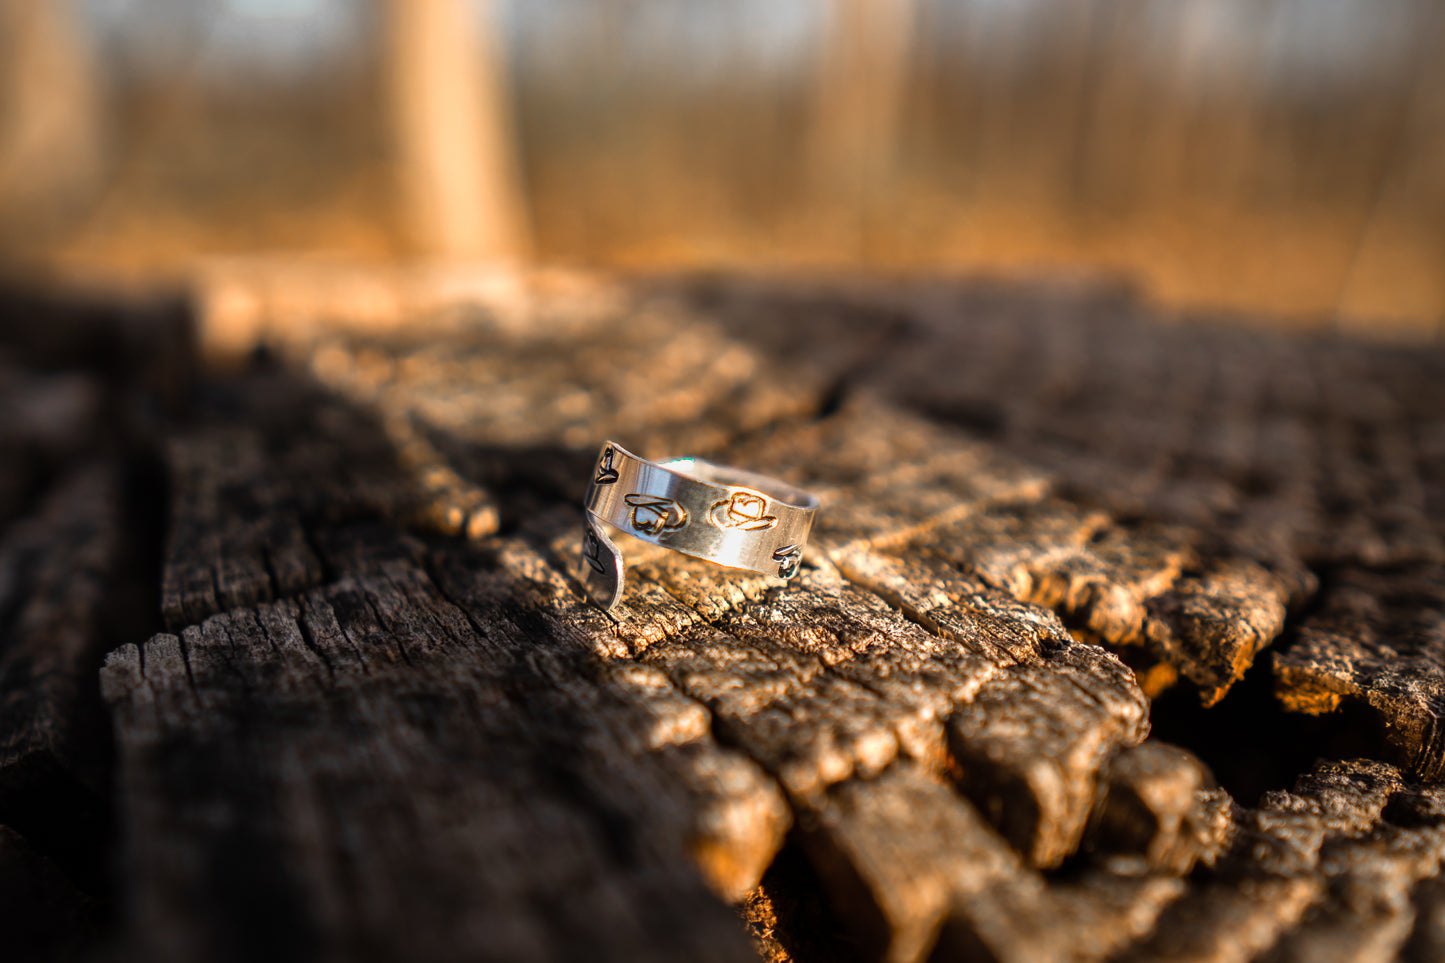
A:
725	515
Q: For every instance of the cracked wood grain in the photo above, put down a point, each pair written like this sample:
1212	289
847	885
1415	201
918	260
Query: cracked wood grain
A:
57	569
361	751
1161	805
1326	871
794	679
1377	640
383	706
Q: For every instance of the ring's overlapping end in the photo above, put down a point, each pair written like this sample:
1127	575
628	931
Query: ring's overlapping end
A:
601	572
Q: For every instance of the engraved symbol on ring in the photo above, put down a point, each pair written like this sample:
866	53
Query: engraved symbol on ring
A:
592	551
742	510
653	514
788	558
606	474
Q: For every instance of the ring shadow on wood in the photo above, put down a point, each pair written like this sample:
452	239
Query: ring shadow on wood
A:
382	729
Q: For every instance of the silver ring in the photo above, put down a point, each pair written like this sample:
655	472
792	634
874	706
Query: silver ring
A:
735	518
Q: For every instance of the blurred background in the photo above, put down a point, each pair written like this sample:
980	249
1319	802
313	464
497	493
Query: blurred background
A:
1282	158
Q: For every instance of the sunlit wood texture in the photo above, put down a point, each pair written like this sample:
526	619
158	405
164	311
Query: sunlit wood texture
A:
50	115
859	105
456	164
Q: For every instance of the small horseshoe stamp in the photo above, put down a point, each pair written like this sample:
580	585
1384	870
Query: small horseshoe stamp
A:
653	514
788	558
592	551
606	474
742	510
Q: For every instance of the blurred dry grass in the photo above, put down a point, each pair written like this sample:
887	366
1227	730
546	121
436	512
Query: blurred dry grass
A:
1275	156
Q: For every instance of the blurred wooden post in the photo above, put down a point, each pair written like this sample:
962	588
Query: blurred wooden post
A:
458	179
859	103
1393	286
50	116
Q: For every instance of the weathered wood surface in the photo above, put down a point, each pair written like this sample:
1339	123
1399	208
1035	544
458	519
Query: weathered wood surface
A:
382	723
83	388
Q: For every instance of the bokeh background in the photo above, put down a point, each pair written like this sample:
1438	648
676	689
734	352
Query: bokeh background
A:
1283	159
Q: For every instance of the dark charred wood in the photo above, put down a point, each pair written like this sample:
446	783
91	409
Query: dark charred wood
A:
42	914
